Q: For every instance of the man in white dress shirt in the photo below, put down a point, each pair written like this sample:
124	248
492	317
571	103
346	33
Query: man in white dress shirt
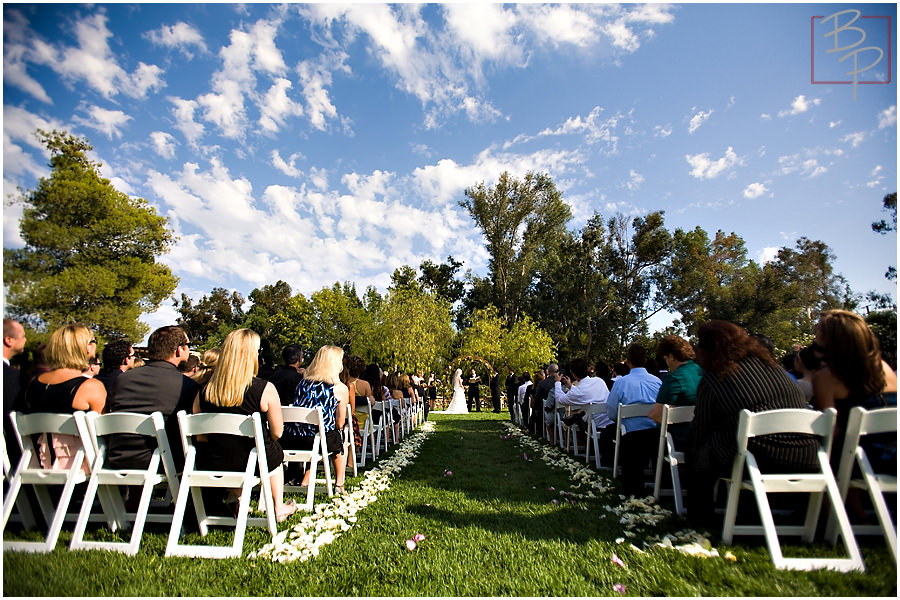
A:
577	389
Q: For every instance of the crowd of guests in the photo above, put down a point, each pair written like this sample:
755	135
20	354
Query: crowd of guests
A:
726	371
226	379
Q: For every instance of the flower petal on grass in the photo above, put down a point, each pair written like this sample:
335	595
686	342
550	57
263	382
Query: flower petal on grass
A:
419	537
617	560
619	588
410	545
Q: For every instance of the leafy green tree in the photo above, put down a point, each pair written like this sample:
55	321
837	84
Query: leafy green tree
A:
90	250
212	318
267	301
483	337
883	227
405	278
519	220
414	330
440	279
338	317
527	346
883	324
293	324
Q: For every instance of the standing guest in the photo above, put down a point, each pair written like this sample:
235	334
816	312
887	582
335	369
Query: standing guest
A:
512	390
535	407
546	394
286	377
432	391
641	438
158	385
738	373
208	362
13	344
322	387
679	388
64	389
235	389
524	384
495	390
118	357
474	385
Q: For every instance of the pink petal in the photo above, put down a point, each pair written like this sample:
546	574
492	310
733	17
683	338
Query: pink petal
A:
418	537
619	588
525	456
617	560
410	545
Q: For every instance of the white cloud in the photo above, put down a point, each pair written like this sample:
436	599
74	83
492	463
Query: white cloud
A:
887	117
315	79
833	124
698	119
591	126
767	254
288	168
705	168
635	180
800	105
110	122
277	106
806	166
92	61
662	131
163	144
183	111
755	190
16	52
854	139
181	36
877	175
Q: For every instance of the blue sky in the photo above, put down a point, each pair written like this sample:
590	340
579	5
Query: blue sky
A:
320	143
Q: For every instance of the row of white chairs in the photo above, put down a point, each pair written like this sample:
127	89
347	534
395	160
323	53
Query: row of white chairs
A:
861	422
103	483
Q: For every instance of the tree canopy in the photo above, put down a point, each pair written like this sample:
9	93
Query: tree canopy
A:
90	250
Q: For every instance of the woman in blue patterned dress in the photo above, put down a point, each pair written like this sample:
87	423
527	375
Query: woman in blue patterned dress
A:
321	386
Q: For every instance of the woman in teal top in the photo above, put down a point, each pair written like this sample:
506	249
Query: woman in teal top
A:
679	387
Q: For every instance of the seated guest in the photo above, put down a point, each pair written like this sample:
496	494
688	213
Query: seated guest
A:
738	373
118	357
158	385
679	388
286	377
360	392
641	438
208	362
620	370
805	364
235	389
190	365
64	389
853	374
576	389
322	387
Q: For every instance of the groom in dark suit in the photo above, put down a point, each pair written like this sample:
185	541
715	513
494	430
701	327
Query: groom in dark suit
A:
474	392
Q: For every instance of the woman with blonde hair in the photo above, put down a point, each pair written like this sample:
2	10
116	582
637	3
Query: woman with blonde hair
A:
208	362
321	387
234	388
63	389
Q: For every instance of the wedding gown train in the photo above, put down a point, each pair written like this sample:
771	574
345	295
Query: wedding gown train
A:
458	403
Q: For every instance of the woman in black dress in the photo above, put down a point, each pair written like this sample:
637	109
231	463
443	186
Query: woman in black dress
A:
235	389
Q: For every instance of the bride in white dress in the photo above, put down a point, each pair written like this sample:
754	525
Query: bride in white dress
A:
458	404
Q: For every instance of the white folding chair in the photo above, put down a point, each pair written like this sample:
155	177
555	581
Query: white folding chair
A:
350	440
626	411
386	424
816	484
669	455
312	457
26	515
559	410
593	432
193	480
49	424
103	478
863	422
370	446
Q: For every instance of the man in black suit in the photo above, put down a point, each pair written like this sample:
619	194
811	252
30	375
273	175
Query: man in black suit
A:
512	390
474	391
158	385
495	391
13	344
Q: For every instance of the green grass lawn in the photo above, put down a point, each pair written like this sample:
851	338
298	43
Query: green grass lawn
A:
491	528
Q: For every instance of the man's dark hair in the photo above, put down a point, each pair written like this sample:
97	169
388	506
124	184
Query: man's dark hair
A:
292	354
621	369
765	342
115	354
165	341
189	364
579	368
637	355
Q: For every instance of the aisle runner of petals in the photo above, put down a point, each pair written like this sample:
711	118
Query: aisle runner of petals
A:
634	513
328	521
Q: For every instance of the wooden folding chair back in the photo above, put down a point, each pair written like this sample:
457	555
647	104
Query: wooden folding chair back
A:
862	422
668	455
194	479
312	457
160	470
55	514
816	484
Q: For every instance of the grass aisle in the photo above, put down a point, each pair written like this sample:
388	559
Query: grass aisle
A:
491	528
